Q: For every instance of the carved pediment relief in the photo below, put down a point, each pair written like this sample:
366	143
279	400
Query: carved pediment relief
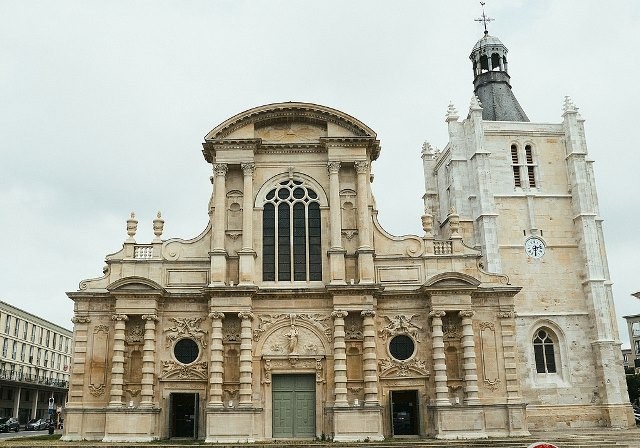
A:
393	368
316	321
175	371
289	132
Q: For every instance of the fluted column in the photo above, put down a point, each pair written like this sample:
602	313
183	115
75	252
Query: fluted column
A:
246	357
339	358
117	361
148	360
365	253
439	364
370	360
217	359
336	251
469	358
218	252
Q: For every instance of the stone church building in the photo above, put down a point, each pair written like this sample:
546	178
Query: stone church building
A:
295	315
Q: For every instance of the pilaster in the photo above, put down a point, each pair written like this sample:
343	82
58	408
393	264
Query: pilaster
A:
117	361
247	254
339	358
218	252
217	359
365	252
370	360
148	361
469	358
439	364
336	253
246	368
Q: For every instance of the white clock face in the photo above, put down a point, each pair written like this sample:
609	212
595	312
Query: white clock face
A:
534	247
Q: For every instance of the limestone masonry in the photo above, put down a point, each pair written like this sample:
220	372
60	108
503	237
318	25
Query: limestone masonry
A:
295	315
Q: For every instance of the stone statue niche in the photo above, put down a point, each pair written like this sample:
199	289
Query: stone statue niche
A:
231	363
452	330
354	346
134	341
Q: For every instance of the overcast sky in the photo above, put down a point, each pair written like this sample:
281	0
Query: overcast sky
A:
104	105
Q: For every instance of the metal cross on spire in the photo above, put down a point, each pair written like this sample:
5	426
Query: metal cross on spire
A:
484	19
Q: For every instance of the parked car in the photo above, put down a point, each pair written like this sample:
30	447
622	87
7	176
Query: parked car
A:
9	424
36	424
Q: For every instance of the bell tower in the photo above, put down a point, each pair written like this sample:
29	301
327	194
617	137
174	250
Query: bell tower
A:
491	82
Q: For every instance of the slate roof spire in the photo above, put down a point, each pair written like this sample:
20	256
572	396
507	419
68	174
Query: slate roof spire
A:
491	82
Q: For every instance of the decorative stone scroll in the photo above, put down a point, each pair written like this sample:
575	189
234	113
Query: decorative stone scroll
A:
196	371
403	367
400	324
187	326
80	319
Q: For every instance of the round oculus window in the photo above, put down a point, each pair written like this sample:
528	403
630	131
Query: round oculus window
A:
186	351
401	347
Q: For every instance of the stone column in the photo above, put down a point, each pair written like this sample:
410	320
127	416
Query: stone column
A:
16	402
508	330
339	358
217	359
246	356
117	361
439	364
469	358
365	254
218	252
247	254
148	361
370	360
34	404
336	252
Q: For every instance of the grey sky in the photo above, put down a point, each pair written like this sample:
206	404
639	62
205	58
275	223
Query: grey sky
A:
105	104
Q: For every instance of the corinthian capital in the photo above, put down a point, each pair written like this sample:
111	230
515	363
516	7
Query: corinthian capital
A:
437	314
220	169
333	167
248	168
466	313
362	166
216	315
368	313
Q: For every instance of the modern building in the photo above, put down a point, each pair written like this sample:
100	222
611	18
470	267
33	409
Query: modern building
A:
34	364
633	326
295	315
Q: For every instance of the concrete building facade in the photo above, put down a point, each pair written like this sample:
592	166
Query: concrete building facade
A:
35	360
295	315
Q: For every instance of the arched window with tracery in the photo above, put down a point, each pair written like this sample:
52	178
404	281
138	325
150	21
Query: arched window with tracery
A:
292	249
544	350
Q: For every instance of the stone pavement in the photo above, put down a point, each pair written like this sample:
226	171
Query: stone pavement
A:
569	439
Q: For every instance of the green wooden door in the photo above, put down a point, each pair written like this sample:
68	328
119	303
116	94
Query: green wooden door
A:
294	405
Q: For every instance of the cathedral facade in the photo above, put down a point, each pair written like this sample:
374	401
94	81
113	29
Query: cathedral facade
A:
295	315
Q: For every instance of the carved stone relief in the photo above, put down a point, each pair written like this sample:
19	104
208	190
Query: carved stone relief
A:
320	321
390	366
98	363
187	326
196	371
400	324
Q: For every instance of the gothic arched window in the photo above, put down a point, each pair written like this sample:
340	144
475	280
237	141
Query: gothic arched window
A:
291	234
544	352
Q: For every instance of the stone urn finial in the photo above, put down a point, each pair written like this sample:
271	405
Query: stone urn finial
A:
132	227
158	226
427	224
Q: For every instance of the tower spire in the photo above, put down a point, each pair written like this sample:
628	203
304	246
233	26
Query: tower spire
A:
484	19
